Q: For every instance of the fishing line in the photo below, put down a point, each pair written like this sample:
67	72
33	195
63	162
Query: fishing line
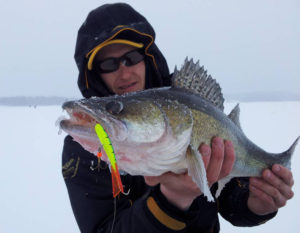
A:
115	213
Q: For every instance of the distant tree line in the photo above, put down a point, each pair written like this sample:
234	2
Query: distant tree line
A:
32	101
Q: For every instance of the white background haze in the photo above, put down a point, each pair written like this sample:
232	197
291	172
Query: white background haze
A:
248	46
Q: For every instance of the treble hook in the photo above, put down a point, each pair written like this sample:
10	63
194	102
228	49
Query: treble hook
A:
99	155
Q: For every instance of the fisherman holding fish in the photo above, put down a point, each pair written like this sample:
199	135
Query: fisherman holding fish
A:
116	54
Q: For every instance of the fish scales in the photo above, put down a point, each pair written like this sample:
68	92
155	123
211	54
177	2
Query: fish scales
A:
209	122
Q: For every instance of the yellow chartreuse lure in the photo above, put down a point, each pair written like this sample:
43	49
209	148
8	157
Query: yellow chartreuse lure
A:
117	185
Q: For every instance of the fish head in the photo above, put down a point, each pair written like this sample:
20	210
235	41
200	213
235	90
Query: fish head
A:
128	121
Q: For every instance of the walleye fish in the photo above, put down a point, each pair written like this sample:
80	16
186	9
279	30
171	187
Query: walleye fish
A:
159	130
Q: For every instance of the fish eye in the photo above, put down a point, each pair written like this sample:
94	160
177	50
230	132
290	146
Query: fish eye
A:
114	107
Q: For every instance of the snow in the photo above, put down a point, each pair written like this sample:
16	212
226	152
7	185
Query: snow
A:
33	193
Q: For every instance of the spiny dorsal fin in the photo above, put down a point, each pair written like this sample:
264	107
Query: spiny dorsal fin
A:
194	78
234	115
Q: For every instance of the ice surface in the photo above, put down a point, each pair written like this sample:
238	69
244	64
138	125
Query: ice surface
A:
33	197
33	193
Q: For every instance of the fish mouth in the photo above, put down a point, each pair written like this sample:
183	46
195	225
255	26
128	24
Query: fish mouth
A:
81	125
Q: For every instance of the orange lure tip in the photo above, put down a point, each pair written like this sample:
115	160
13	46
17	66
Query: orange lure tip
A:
116	182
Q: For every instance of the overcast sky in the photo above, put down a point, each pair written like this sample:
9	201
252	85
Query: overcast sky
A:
246	45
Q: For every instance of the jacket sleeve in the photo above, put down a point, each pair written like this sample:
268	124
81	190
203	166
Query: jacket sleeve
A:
233	204
95	210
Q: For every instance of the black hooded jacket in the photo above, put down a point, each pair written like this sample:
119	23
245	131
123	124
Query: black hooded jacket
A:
117	21
143	209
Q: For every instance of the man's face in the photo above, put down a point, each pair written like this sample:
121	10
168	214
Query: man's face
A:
126	78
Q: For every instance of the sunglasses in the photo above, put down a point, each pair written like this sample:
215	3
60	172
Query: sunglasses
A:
112	64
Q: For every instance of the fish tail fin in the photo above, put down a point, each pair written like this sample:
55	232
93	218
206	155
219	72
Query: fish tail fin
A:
117	185
196	169
287	155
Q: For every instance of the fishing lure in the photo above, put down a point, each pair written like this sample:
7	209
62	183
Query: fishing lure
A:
117	185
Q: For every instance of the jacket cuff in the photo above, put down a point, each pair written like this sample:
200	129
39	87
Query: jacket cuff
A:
164	213
252	217
234	205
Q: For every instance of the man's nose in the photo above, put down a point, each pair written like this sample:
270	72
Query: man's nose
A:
124	71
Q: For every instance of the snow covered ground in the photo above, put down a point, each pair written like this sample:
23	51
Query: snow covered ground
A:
33	197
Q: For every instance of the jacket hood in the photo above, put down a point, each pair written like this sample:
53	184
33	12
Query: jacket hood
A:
117	21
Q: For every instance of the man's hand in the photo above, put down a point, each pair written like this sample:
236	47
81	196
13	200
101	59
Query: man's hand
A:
180	190
271	191
218	160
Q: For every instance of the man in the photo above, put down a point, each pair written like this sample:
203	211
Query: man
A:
116	54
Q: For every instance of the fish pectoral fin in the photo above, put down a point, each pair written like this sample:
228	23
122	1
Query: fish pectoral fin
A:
196	170
221	184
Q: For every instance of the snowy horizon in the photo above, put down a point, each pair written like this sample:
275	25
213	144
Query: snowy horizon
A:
33	193
233	97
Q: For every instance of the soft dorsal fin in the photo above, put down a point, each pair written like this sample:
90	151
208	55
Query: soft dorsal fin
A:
234	115
194	78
